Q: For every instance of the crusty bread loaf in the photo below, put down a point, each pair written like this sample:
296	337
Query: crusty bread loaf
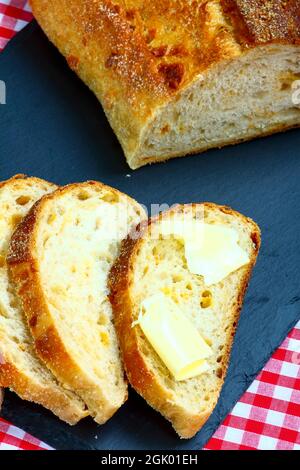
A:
179	77
60	257
20	369
155	263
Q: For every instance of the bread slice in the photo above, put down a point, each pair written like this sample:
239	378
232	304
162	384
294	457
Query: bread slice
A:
1	397
20	369
154	263
176	78
60	257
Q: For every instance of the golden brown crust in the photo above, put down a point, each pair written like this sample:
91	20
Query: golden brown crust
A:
137	56
138	373
141	43
15	379
21	176
141	40
49	344
264	21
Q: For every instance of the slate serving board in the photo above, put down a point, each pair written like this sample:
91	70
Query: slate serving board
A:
53	127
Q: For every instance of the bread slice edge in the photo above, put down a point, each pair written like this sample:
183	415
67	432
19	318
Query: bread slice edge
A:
138	373
50	347
63	403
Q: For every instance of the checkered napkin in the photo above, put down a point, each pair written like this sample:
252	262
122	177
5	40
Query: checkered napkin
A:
267	417
12	438
268	414
14	15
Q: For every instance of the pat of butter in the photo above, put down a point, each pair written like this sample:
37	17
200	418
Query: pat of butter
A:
174	337
211	251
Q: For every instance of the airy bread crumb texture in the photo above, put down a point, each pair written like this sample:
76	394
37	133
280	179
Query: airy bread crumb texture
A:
75	240
158	264
208	113
180	77
20	369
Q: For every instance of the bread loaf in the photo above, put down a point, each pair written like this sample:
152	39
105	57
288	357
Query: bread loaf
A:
1	397
154	263
20	368
180	77
60	257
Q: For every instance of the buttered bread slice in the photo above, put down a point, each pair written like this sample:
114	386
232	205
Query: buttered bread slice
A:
176	292
60	258
20	368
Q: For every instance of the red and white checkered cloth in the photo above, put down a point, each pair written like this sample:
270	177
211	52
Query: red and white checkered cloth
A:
12	438
14	15
268	414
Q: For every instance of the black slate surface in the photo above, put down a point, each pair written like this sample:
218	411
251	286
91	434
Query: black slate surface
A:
53	127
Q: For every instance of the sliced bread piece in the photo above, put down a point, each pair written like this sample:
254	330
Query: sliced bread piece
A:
20	369
60	258
156	263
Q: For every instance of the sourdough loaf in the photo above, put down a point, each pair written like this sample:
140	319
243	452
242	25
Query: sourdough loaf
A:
180	77
20	368
60	257
154	263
